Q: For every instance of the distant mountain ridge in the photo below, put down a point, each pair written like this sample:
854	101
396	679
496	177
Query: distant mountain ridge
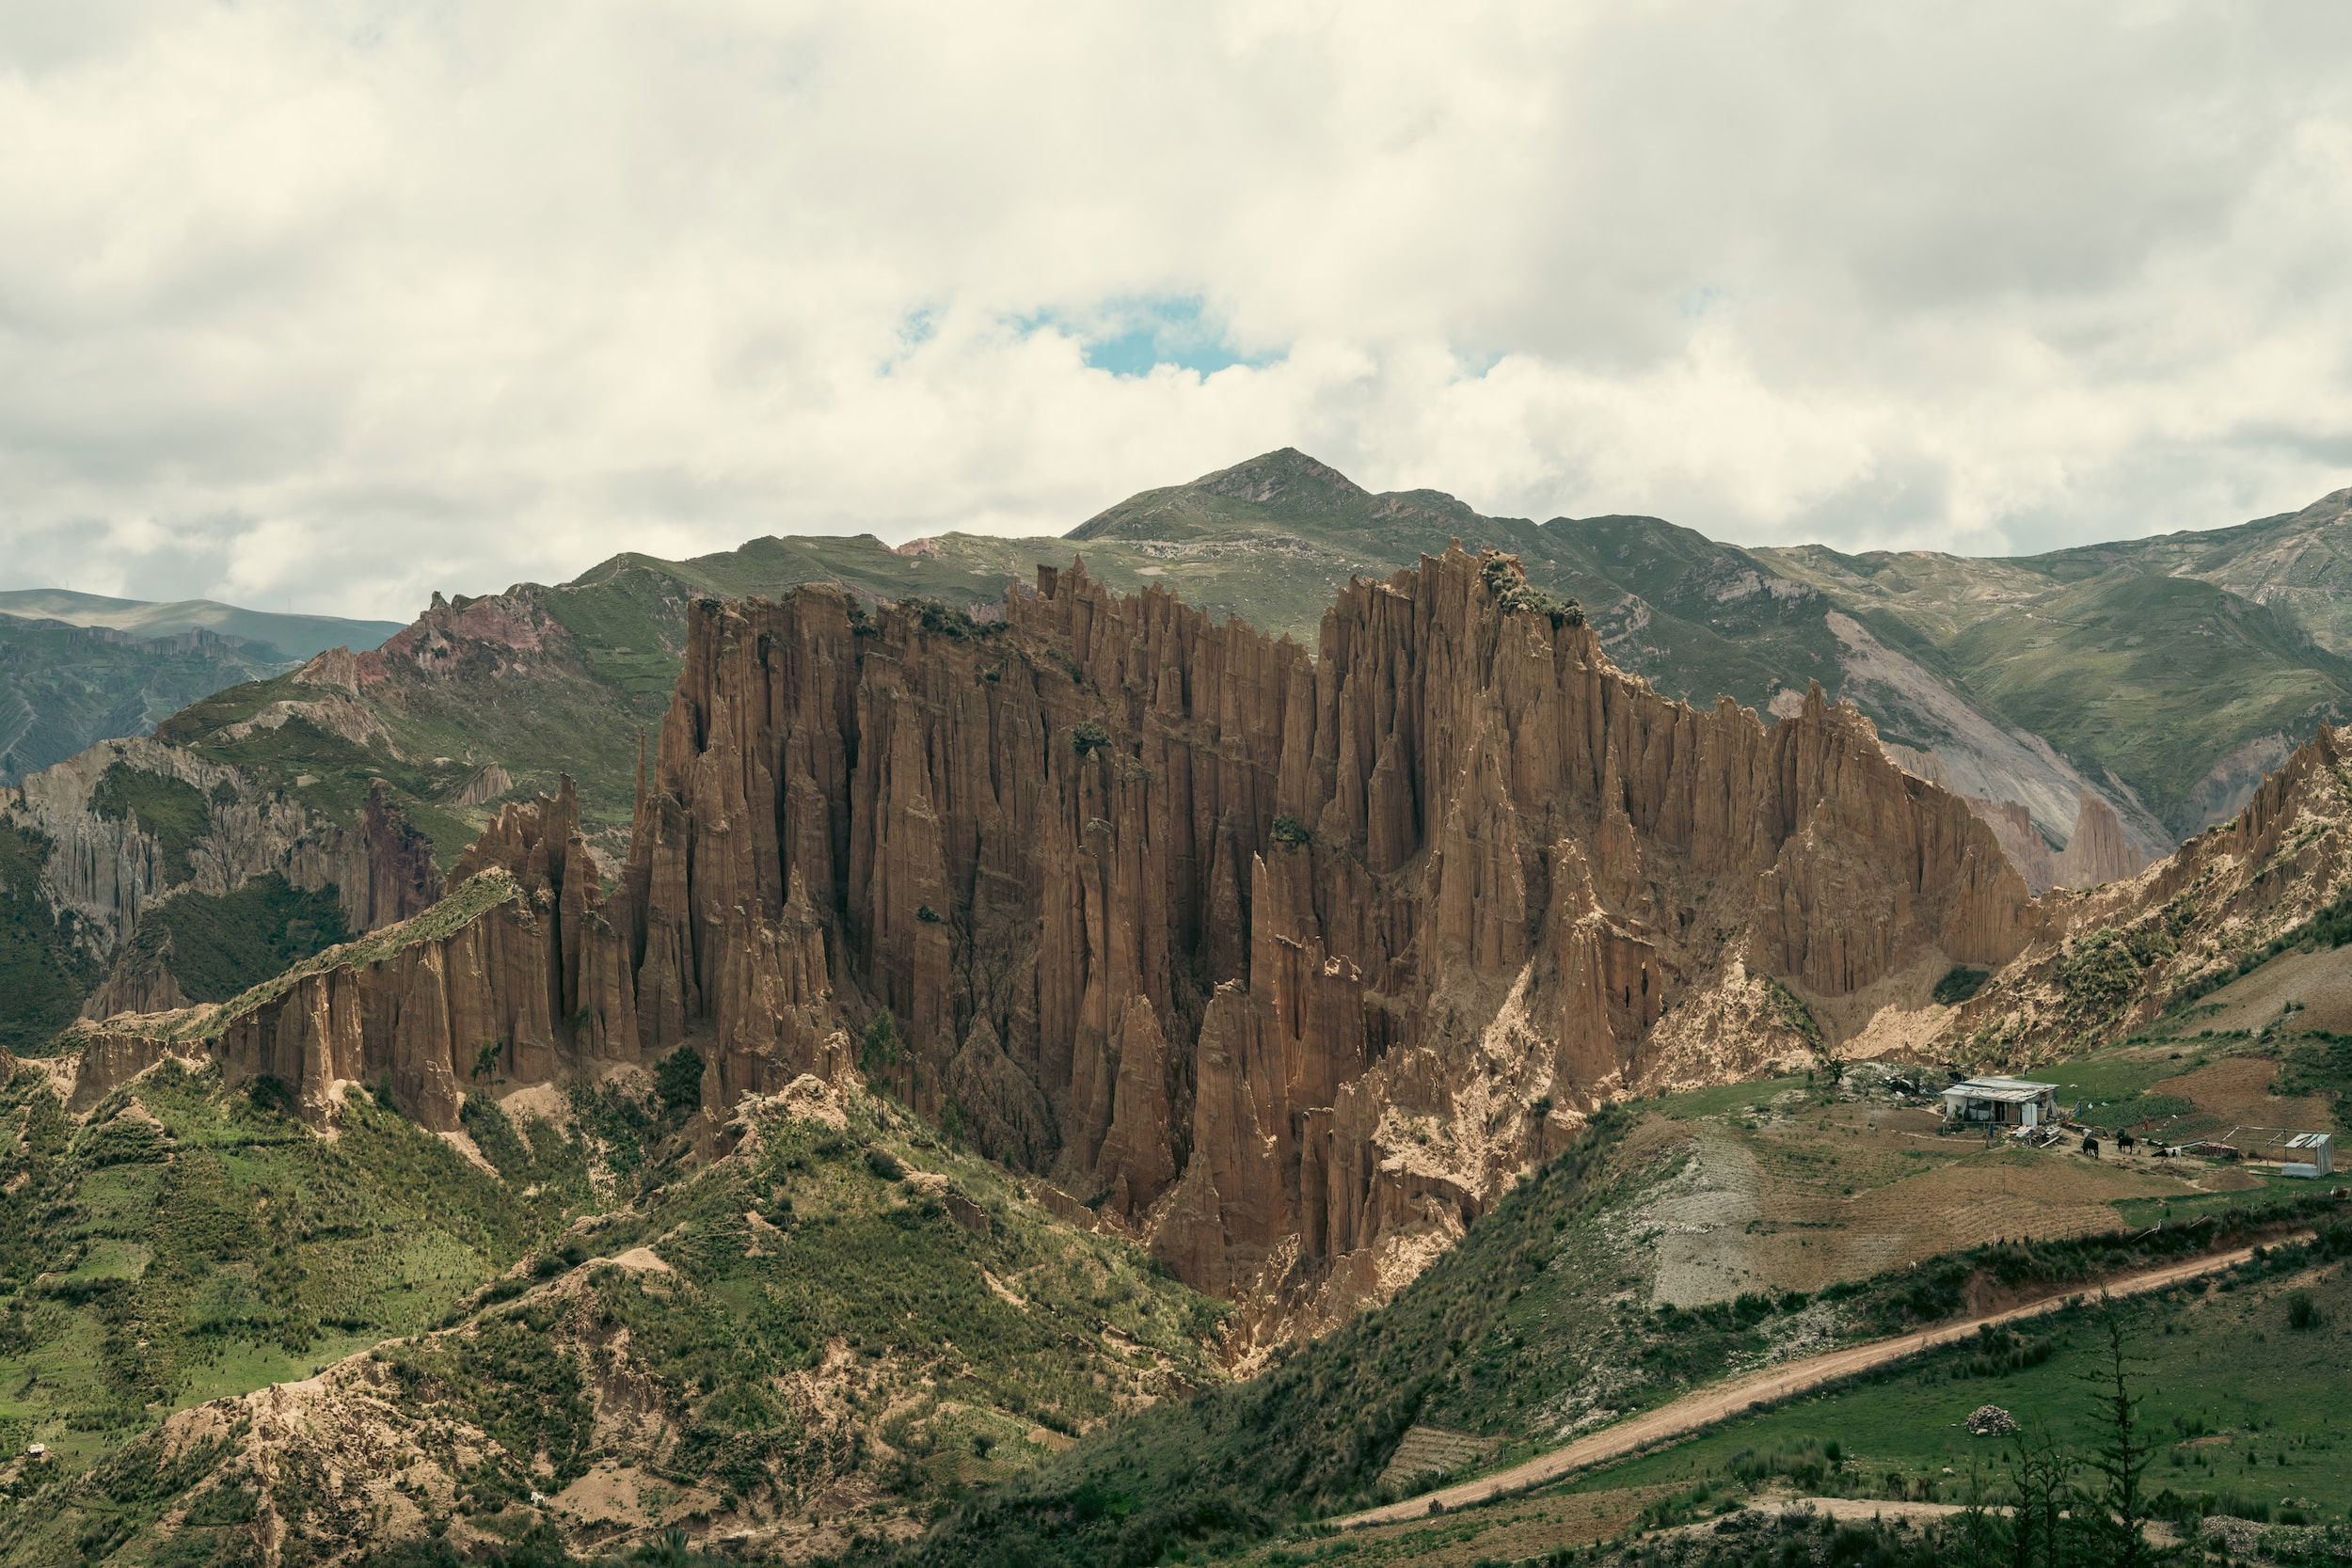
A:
2160	676
76	669
295	637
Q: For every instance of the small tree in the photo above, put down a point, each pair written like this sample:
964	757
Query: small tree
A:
878	1049
677	1080
2042	1473
2121	1517
1976	1536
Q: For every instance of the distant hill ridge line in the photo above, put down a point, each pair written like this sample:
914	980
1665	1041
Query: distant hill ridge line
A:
294	636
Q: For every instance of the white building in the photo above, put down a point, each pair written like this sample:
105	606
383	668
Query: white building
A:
2005	1102
2308	1154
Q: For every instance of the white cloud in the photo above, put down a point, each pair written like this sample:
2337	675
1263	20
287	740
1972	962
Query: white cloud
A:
332	303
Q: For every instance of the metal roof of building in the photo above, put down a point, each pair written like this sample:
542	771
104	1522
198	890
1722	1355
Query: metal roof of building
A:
2002	1088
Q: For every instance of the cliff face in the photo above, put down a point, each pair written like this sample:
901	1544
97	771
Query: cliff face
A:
1288	965
2098	851
107	870
1293	961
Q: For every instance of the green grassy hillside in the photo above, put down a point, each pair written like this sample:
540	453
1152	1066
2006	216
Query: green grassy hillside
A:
2237	1409
571	1326
183	1242
2299	563
63	688
1573	1303
2159	681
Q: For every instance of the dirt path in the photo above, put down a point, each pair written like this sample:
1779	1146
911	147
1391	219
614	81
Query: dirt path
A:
1709	1405
1855	1511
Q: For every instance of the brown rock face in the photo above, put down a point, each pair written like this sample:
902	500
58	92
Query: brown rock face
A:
2098	851
2021	841
1273	954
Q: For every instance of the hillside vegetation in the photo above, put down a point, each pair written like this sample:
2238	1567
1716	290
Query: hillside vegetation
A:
2233	1414
560	1325
1577	1301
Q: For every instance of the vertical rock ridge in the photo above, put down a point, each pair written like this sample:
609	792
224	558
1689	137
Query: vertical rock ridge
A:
1049	846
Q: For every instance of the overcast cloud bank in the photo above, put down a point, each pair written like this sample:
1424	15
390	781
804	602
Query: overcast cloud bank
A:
334	304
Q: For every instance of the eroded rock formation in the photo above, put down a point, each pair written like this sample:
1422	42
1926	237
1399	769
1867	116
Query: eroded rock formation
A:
106	871
2105	960
1290	959
2098	851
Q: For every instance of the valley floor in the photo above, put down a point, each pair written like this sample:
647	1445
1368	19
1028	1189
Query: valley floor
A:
1711	1405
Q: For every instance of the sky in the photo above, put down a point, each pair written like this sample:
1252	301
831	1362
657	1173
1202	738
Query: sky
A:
329	304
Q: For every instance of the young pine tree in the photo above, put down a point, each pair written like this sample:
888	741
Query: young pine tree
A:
2120	1513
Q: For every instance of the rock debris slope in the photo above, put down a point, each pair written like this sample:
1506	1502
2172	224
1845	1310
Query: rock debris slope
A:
1288	964
2110	960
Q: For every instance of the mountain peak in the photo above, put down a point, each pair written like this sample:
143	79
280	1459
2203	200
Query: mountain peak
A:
1286	473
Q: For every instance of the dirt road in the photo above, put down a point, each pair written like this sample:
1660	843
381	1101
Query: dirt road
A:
1709	1405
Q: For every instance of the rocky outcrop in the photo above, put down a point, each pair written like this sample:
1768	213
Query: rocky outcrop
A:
2105	962
488	981
1282	957
141	981
484	788
107	870
2097	851
2021	841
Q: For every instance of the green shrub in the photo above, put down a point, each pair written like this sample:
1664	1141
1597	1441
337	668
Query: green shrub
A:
1088	737
678	1082
170	811
877	1048
1516	596
221	945
1793	1014
957	625
1292	833
2302	1311
1960	985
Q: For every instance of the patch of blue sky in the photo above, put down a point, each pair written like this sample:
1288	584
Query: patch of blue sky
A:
916	328
1701	298
1134	336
